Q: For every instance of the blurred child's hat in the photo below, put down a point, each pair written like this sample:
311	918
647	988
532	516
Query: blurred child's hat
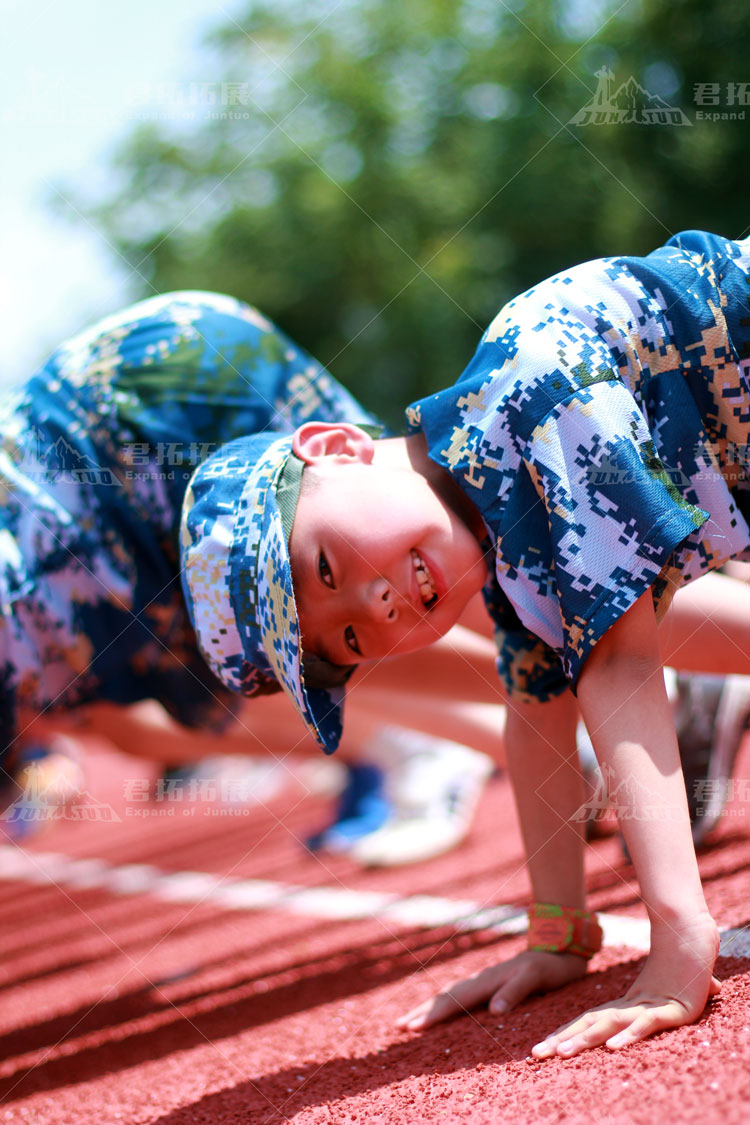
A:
236	518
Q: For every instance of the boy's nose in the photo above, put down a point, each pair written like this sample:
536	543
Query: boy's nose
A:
380	601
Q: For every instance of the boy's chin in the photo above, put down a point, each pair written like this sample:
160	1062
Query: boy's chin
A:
435	630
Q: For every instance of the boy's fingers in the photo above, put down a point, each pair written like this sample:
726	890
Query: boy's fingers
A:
614	1027
504	986
456	1000
648	1023
606	1026
442	1007
515	989
619	1029
427	1013
548	1046
576	1026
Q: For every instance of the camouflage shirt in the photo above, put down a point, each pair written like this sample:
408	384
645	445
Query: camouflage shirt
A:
602	430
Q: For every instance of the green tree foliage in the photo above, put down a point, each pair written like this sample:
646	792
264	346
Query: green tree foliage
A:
379	176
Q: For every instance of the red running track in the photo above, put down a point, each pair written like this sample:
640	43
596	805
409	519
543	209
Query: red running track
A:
129	996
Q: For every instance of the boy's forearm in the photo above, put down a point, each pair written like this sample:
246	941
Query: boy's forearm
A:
145	730
548	788
623	700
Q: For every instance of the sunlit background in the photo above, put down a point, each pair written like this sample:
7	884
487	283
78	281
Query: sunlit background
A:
379	177
72	77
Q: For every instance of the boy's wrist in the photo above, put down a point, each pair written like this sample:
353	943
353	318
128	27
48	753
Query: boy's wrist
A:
562	929
677	919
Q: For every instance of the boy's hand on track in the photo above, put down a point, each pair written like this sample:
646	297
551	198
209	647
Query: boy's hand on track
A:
671	990
504	986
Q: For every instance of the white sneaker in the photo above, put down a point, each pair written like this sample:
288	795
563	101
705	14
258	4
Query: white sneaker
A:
433	785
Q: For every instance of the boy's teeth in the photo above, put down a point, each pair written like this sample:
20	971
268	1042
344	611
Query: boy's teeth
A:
427	590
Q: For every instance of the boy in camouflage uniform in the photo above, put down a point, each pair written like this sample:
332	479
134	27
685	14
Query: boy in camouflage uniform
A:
588	462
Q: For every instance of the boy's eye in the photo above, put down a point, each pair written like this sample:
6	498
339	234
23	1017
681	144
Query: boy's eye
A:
351	640
324	570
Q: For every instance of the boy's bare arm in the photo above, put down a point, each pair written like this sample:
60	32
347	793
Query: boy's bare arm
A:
622	697
548	790
145	730
543	762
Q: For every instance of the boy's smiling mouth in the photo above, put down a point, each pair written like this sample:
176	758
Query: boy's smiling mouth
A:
425	581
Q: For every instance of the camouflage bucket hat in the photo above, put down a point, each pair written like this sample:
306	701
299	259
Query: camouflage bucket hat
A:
236	518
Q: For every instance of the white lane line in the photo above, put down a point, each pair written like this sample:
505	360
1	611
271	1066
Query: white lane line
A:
337	903
735	943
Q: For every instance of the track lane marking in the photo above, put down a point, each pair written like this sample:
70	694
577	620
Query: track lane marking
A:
317	902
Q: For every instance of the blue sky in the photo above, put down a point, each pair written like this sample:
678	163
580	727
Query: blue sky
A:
77	74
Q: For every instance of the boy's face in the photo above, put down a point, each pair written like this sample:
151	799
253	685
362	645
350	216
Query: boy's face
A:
381	563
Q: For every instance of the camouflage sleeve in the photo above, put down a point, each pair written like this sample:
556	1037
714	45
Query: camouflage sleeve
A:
614	511
530	670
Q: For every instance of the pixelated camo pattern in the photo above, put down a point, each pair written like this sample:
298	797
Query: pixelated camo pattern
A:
603	429
96	451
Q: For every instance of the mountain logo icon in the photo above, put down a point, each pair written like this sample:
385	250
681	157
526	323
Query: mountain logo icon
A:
616	468
60	461
629	104
36	803
628	800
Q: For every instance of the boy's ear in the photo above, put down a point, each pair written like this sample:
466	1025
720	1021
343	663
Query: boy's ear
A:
341	440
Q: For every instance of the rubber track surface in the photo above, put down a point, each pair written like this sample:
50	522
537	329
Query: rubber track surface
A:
119	1005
